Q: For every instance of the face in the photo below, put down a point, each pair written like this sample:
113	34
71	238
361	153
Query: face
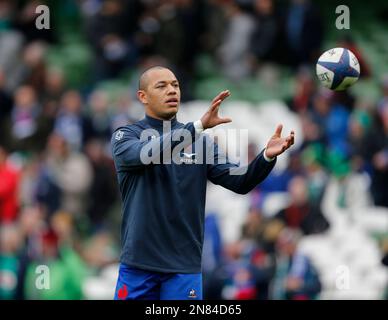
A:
161	94
72	102
298	190
25	97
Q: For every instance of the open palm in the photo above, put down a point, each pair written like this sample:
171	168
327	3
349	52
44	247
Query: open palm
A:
277	145
211	118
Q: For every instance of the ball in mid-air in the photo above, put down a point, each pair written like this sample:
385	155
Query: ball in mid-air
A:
338	69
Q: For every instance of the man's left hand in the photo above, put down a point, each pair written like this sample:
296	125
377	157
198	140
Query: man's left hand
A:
277	145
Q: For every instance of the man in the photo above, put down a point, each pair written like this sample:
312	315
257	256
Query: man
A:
164	203
296	278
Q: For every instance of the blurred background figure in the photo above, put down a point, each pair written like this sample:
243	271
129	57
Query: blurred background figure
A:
265	39
235	46
10	244
302	213
109	36
71	123
65	178
296	278
303	32
9	184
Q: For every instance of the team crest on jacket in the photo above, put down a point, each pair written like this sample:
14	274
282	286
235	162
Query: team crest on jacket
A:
192	294
119	135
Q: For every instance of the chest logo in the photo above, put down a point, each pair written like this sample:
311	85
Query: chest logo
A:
119	135
188	158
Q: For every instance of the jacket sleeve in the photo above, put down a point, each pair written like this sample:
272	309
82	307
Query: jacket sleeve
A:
131	151
240	179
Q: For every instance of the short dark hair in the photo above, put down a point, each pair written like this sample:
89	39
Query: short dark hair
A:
143	77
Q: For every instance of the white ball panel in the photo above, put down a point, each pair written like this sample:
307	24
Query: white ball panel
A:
332	55
325	76
353	61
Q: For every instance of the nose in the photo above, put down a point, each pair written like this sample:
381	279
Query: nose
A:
171	90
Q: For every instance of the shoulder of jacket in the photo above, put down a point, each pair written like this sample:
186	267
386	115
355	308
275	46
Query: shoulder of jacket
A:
127	130
132	126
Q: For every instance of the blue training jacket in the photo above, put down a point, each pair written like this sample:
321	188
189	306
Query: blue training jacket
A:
164	204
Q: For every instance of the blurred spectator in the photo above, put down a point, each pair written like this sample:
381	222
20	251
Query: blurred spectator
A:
265	37
313	131
24	119
66	271
239	284
100	250
322	102
10	243
213	244
344	98
384	92
103	188
313	160
348	42
214	20
234	50
99	115
359	125
303	31
31	225
377	146
6	107
9	183
122	114
65	178
71	123
11	43
54	88
213	274
48	243
262	233
7	9
301	213
296	278
336	128
109	34
32	70
5	97
178	19
62	224
384	245
301	102
243	283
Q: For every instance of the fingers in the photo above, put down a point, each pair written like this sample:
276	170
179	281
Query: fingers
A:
289	141
292	135
290	138
221	96
215	105
278	131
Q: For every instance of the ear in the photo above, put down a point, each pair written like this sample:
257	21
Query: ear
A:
141	95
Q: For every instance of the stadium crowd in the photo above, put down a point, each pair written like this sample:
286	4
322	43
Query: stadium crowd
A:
59	202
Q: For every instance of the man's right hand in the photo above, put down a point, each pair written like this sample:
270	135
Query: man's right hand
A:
211	119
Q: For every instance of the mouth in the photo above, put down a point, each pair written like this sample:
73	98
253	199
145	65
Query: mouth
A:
172	102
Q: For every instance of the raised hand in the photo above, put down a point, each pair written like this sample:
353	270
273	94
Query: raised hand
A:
211	119
277	145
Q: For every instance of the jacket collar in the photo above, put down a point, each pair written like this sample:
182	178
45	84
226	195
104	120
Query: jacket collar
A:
157	123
